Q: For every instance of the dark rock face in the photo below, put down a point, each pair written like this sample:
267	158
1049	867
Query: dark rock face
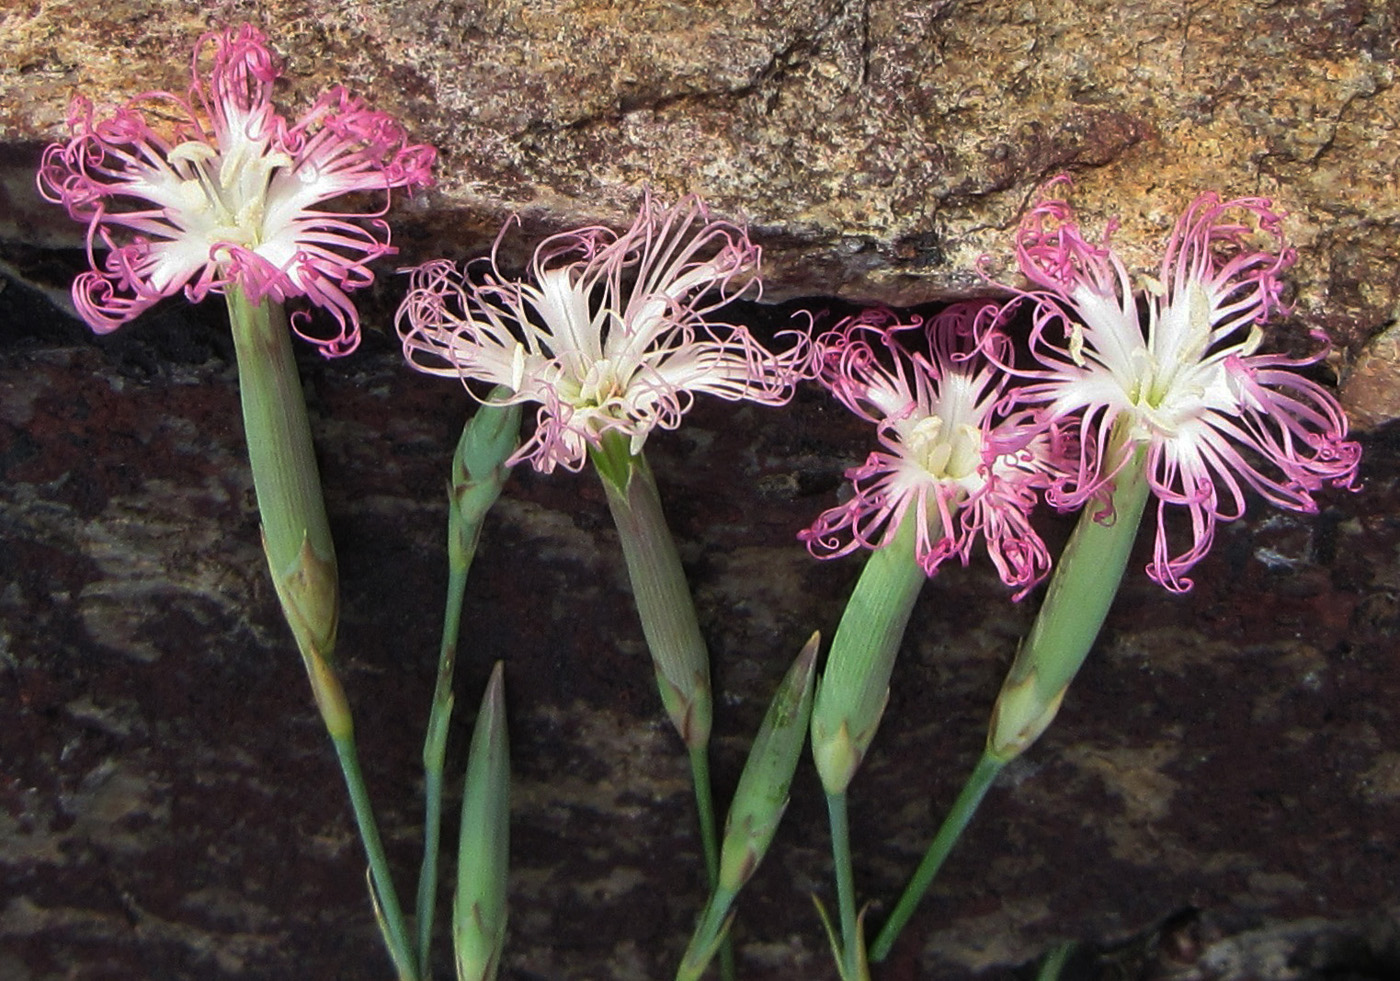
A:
878	148
1218	798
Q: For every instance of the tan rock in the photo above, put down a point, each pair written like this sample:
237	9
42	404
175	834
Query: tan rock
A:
877	147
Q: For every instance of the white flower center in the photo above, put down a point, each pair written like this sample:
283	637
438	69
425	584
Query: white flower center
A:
599	386
1169	385
947	452
224	197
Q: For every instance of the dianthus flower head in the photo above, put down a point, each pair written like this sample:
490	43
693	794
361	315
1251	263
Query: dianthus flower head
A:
1189	385
217	191
609	334
952	459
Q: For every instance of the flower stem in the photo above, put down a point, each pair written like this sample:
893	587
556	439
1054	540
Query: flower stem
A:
479	472
434	755
849	703
1076	604
1054	963
386	900
301	557
968	800
663	602
705	806
709	841
667	613
852	954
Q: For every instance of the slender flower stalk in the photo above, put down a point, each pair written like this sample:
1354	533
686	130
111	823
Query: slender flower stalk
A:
479	472
954	466
848	947
662	597
850	702
959	815
387	911
610	337
217	192
1076	604
301	558
1183	408
483	851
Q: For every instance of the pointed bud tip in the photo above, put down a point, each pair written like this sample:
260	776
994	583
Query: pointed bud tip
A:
492	720
836	756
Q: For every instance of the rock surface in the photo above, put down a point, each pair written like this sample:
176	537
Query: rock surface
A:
1218	799
877	147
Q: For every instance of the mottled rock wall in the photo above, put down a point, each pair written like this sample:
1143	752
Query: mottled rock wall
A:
1218	799
878	147
1220	795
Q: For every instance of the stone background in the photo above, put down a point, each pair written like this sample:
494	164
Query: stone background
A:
1219	797
877	147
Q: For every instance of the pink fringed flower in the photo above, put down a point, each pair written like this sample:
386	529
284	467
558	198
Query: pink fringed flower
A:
609	335
953	460
218	191
1189	386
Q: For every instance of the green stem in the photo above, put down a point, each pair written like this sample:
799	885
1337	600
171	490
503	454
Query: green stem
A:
479	472
705	805
850	701
667	612
434	756
1054	964
969	798
391	921
853	964
1076	604
301	557
709	840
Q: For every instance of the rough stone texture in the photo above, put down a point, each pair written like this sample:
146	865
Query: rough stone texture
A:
1218	799
878	147
1220	795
